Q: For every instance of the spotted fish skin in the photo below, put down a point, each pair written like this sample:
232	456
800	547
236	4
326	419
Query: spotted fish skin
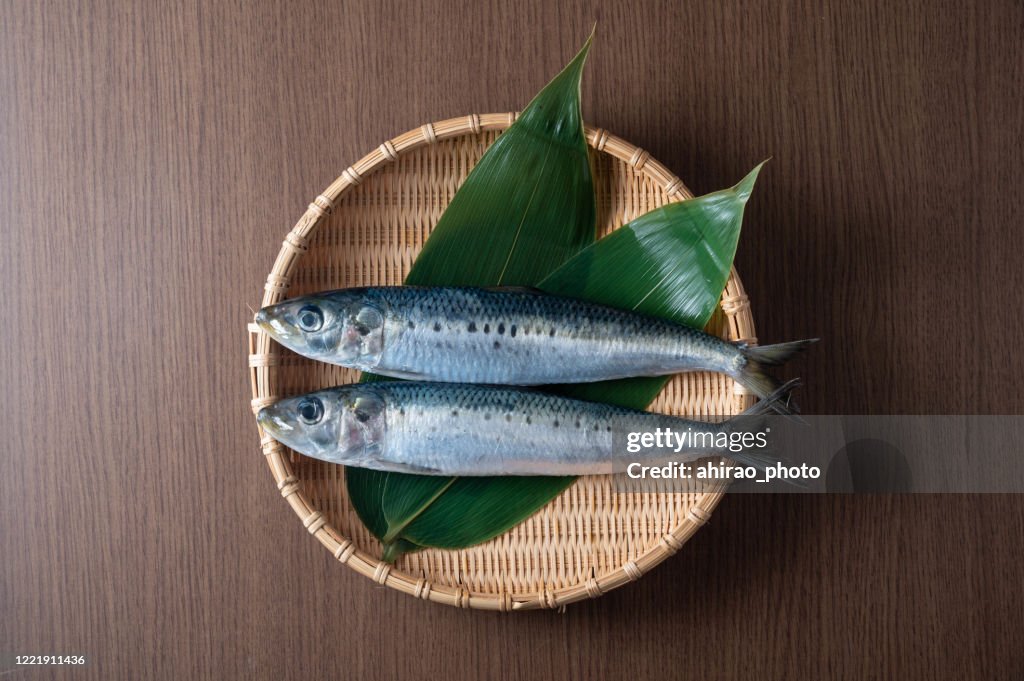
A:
504	336
521	337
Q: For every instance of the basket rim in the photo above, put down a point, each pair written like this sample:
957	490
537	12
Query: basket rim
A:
262	358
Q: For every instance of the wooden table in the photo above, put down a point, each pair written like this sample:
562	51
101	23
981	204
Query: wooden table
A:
153	155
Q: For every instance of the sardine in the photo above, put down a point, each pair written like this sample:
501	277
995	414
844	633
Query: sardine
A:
459	429
505	336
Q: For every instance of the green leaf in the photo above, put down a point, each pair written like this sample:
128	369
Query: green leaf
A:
394	550
365	490
474	510
526	207
672	262
405	498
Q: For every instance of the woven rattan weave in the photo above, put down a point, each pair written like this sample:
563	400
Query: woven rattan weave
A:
365	229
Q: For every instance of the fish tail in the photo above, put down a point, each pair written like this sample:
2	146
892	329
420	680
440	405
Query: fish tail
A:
778	401
752	375
774	355
763	458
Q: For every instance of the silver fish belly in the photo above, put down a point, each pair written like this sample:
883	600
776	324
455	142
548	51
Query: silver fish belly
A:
456	429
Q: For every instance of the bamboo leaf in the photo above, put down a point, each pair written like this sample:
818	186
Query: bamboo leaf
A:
365	491
476	509
672	262
512	223
405	498
526	207
394	550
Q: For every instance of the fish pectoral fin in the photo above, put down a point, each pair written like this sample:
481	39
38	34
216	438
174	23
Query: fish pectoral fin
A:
404	467
404	375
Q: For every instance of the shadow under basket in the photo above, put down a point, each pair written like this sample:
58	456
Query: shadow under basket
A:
366	229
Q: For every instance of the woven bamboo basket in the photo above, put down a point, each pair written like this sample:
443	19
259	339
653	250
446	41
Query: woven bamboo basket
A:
366	229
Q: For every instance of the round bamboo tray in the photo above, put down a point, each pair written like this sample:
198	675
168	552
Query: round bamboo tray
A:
365	229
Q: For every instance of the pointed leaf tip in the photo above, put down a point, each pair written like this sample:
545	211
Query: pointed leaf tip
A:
575	67
745	186
557	106
585	50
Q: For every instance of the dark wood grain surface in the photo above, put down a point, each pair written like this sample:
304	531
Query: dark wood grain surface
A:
154	154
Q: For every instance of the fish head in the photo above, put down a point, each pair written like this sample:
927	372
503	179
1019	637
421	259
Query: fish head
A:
342	327
343	425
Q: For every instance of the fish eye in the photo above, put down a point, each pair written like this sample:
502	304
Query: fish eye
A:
362	329
362	416
311	318
311	410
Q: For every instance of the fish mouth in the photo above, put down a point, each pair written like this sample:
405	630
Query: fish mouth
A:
266	421
278	329
262	318
270	419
